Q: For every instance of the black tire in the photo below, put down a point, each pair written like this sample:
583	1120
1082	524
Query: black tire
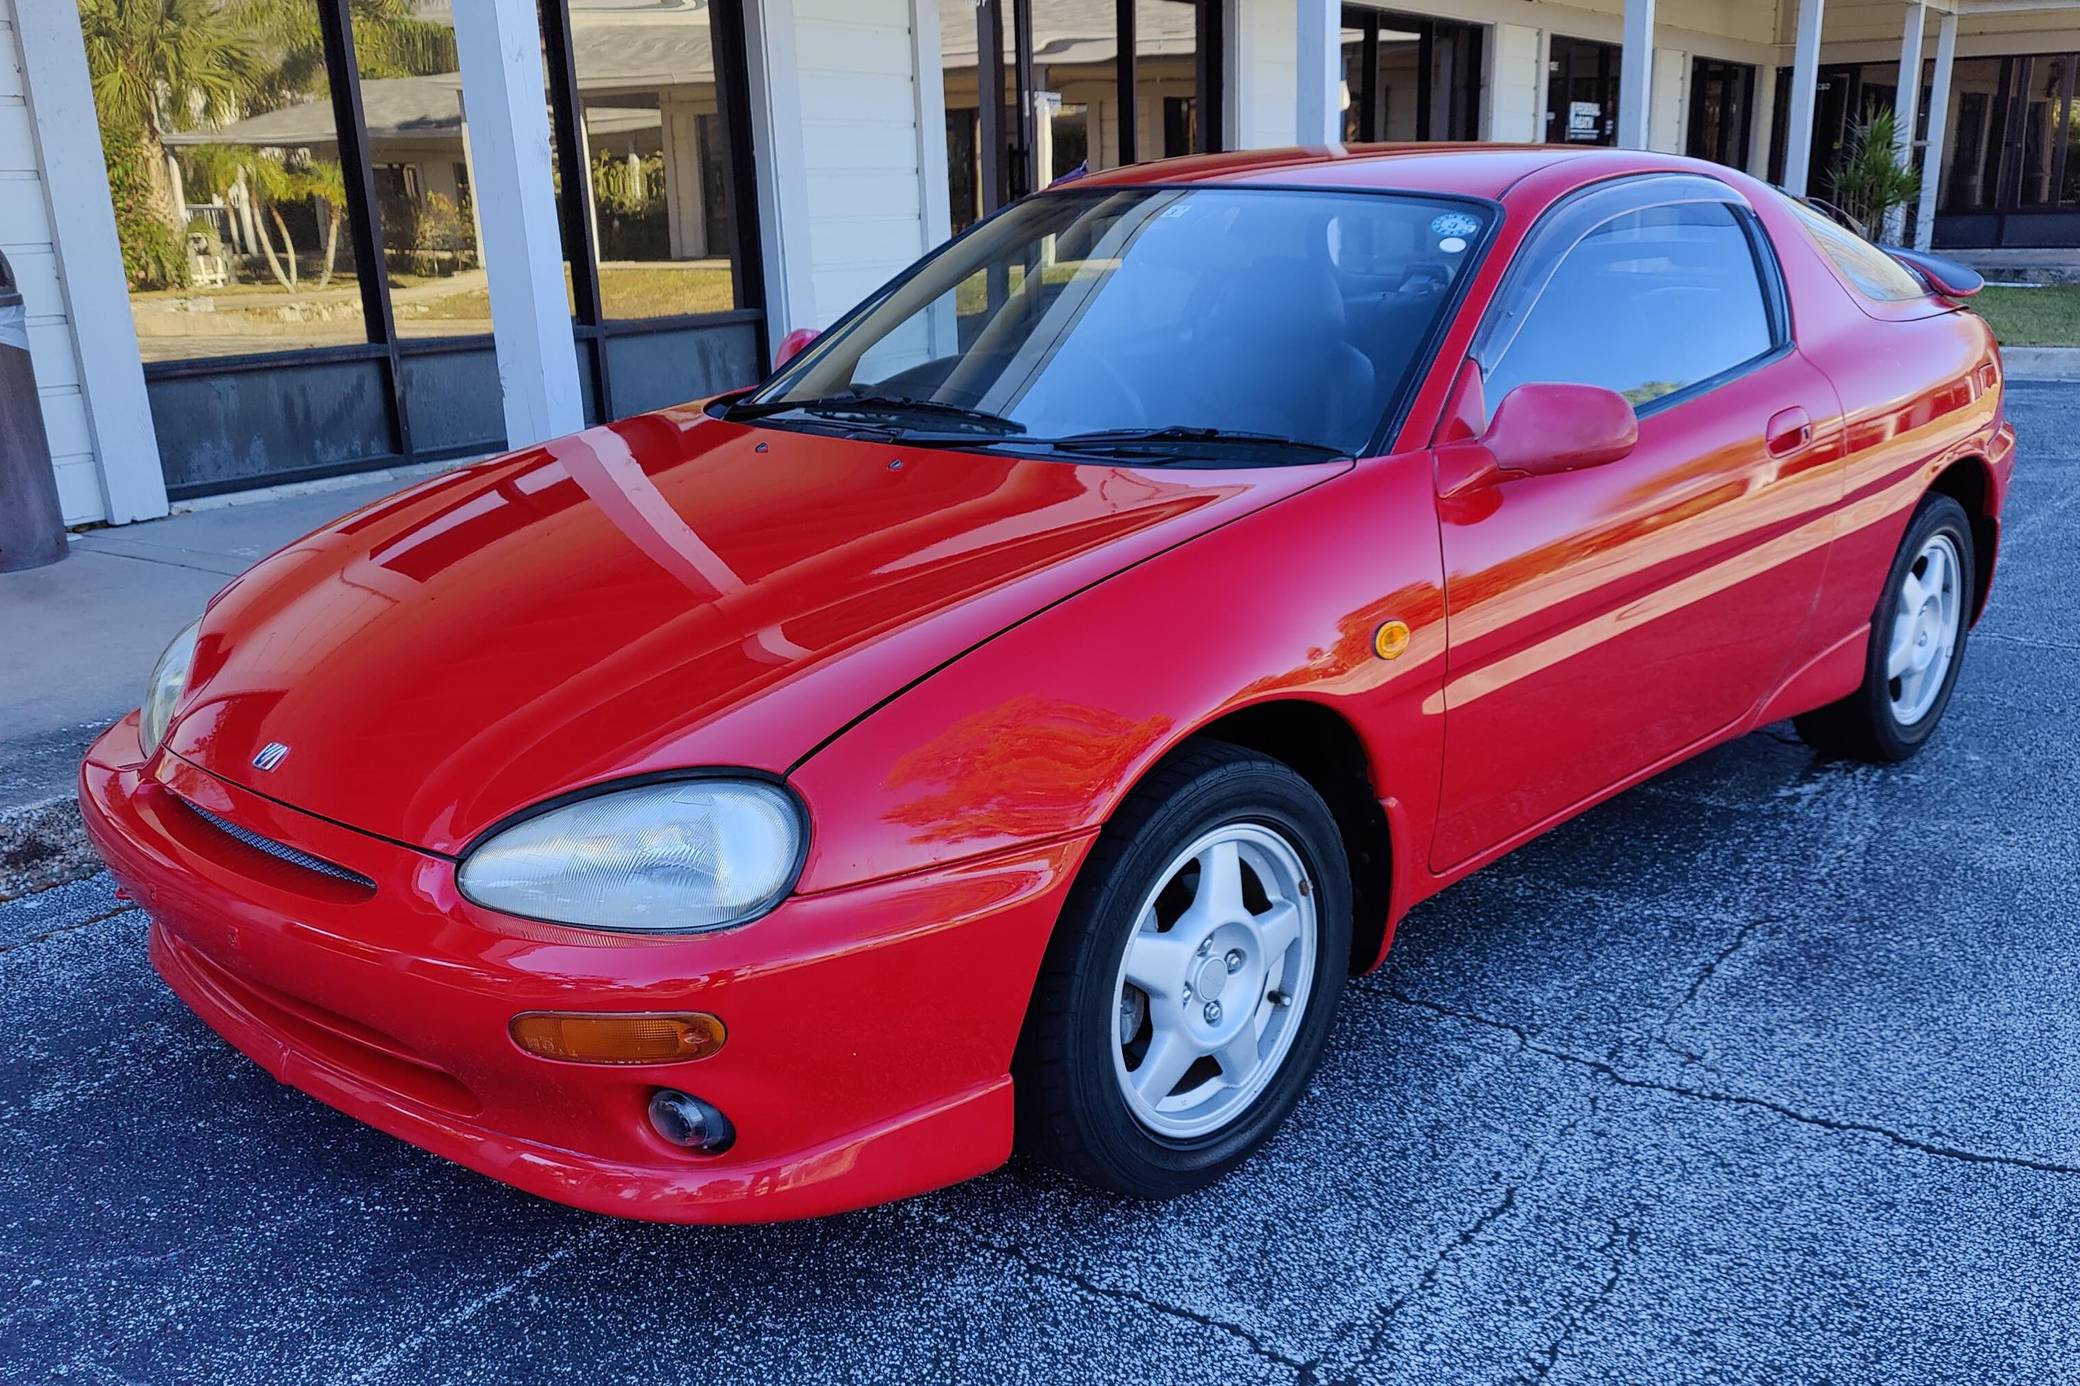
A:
1865	725
1071	1113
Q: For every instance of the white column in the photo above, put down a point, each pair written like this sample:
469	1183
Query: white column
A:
1260	105
500	44
1805	81
1906	105
1938	130
925	61
1319	64
90	260
782	166
1762	120
1636	76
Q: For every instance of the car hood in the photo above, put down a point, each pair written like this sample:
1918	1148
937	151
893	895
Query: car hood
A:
668	591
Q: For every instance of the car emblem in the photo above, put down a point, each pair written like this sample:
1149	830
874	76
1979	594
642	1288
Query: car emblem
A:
271	755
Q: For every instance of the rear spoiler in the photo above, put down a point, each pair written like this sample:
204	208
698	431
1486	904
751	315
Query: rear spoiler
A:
1947	277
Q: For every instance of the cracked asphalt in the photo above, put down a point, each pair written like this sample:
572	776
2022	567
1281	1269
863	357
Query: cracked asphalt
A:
1768	1070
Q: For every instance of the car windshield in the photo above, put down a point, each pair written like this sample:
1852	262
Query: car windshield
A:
1253	324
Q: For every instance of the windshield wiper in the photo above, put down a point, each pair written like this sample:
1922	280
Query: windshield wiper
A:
1172	437
877	408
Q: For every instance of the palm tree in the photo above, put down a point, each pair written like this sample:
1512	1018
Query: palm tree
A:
1871	180
165	65
390	40
263	183
159	65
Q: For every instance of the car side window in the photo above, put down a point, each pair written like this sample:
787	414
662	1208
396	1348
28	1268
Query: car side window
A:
1647	304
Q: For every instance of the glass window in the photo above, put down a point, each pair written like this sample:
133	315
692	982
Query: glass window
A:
1647	304
1582	92
656	138
1297	315
421	166
224	168
1979	97
1870	269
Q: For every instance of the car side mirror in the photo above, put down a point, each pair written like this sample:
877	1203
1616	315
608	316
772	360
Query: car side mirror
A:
1543	428
793	345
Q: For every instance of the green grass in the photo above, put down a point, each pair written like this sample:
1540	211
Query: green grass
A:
628	293
2046	316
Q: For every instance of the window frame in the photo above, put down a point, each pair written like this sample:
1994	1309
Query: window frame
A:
1565	224
591	325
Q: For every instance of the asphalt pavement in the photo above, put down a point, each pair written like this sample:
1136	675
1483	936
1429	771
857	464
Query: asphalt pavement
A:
1768	1070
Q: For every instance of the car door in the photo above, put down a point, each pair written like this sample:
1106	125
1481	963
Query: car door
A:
1602	621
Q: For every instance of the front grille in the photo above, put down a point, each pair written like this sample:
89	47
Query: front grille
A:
280	851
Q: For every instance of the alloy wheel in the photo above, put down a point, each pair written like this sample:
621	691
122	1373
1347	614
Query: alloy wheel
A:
1214	980
1927	619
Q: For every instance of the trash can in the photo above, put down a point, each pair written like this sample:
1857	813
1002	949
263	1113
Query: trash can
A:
32	529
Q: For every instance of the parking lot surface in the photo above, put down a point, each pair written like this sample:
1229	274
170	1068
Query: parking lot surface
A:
1768	1070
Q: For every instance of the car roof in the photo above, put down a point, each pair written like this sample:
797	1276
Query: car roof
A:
1468	170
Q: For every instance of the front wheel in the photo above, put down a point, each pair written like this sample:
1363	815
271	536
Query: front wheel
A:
1190	986
1916	648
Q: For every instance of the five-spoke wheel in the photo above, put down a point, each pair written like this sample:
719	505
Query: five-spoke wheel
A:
1189	988
1220	963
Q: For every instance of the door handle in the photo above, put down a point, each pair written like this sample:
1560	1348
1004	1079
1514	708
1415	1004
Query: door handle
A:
1789	431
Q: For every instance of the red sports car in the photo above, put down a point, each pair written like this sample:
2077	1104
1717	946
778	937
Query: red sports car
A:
1014	720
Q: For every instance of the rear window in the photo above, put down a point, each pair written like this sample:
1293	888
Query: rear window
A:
1874	273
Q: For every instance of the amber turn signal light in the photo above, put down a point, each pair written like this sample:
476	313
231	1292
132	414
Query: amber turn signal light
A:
592	1038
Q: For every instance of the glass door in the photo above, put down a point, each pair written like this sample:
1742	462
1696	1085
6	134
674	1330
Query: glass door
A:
1409	77
1722	103
1581	92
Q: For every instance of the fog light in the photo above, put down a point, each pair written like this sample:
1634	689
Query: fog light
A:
592	1038
684	1119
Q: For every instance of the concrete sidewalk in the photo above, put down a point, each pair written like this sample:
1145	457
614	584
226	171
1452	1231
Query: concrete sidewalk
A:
81	635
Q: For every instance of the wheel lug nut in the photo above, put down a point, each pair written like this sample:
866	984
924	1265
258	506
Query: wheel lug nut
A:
1205	946
1213	1012
1234	960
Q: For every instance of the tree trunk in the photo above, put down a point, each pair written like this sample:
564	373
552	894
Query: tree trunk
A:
164	196
286	279
331	244
288	246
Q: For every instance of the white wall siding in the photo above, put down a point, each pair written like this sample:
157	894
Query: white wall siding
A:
1668	118
860	147
1516	83
25	236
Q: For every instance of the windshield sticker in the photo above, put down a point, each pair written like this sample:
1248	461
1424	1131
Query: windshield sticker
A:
1451	245
1453	224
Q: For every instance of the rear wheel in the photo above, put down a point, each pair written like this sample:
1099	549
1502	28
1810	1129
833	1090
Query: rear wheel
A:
1190	986
1917	645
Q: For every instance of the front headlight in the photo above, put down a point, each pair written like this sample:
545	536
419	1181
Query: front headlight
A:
673	857
169	680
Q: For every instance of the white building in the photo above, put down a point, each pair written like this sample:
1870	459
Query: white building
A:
583	209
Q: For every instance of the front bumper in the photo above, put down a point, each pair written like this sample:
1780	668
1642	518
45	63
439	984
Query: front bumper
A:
870	1029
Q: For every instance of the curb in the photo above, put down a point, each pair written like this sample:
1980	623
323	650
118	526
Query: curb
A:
2041	362
43	845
